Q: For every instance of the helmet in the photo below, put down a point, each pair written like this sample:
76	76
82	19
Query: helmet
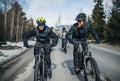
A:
81	16
41	21
63	28
51	28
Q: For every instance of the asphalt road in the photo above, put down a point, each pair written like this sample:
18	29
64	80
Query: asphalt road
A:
62	65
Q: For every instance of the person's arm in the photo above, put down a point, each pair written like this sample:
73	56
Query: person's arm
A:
69	34
54	38
93	32
26	36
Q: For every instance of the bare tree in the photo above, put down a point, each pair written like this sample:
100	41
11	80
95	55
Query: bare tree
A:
7	4
12	25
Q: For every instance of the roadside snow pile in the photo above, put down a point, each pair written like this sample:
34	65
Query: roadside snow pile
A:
12	49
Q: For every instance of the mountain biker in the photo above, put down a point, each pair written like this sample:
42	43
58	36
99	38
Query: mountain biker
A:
79	32
43	35
63	37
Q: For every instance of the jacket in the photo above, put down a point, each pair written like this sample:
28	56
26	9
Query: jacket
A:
81	33
42	37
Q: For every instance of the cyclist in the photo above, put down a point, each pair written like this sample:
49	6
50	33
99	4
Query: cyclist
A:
79	32
43	35
63	36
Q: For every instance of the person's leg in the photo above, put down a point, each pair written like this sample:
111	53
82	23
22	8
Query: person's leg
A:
84	47
75	55
36	52
47	55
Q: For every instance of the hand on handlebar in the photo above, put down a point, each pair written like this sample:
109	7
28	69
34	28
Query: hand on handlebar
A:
28	46
75	42
96	42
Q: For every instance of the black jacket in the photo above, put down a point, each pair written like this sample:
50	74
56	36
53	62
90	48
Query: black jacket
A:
42	37
81	33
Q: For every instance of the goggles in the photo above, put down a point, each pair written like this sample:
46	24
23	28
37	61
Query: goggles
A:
80	21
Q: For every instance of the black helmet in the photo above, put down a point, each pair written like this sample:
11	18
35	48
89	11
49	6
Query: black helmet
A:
51	28
63	28
81	16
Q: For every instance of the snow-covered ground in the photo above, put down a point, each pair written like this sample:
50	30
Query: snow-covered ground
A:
8	54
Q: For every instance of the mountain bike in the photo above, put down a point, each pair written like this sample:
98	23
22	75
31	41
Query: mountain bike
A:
41	71
90	67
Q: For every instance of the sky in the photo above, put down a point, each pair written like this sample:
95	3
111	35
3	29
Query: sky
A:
51	9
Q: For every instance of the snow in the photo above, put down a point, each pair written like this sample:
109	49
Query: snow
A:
11	53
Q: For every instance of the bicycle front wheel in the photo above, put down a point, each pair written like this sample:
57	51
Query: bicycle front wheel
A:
37	71
91	72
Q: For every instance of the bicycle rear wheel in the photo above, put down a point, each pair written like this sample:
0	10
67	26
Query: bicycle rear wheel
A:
91	72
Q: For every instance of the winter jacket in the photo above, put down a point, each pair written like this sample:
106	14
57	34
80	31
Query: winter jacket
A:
81	33
42	37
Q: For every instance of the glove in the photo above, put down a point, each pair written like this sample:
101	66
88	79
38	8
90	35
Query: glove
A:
52	45
27	46
36	57
70	41
98	42
75	42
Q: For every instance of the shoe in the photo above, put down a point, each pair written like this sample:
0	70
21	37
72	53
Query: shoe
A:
50	73
77	70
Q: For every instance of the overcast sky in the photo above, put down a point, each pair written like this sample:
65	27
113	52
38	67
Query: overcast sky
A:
50	9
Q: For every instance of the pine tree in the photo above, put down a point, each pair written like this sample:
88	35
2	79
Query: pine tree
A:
89	19
99	18
113	25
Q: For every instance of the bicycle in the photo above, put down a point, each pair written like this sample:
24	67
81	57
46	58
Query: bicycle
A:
41	71
64	45
90	67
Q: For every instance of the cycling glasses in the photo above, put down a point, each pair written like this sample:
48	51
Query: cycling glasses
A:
79	21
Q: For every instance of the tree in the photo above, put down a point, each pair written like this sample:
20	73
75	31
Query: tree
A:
16	22
89	19
112	33
7	4
1	27
98	17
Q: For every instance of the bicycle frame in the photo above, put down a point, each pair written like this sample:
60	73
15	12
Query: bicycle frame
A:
84	52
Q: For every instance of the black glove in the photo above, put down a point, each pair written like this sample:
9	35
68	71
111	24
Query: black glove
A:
70	41
36	57
98	42
27	46
52	45
75	42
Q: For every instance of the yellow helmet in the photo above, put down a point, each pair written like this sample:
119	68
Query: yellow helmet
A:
41	20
